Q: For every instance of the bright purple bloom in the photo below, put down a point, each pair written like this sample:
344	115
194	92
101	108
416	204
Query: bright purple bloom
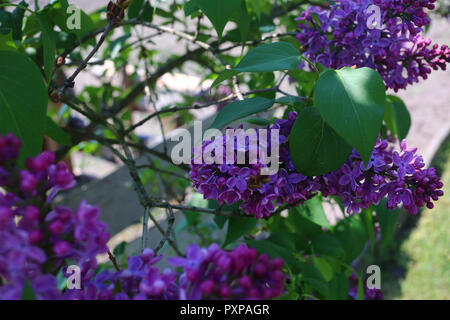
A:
399	176
340	36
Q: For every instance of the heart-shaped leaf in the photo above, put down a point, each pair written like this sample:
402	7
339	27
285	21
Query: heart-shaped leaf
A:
219	12
352	102
23	101
315	147
270	57
240	109
397	117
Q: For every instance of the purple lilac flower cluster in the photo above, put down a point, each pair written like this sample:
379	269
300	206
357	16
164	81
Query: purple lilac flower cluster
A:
340	36
35	239
38	241
213	273
229	183
208	273
398	175
140	281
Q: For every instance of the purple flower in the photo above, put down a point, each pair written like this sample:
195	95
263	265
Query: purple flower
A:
350	176
357	185
259	277
403	162
339	36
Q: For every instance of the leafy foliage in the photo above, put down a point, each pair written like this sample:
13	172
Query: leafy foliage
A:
23	100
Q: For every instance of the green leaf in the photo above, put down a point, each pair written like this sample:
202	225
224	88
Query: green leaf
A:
65	4
23	101
256	6
116	45
240	109
57	133
397	117
352	102
120	249
237	227
219	12
352	235
388	223
28	292
313	211
266	23
325	243
283	239
220	221
270	57
324	267
243	21
315	279
193	217
7	42
60	18
225	75
49	43
12	21
339	287
315	147
301	224
135	8
9	23
18	14
65	40
367	218
305	79
289	100
149	12
258	121
61	280
189	8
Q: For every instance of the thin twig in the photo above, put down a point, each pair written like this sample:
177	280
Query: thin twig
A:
69	83
113	260
228	98
168	232
144	229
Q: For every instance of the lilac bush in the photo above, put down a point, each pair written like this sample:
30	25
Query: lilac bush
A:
340	139
398	175
340	36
